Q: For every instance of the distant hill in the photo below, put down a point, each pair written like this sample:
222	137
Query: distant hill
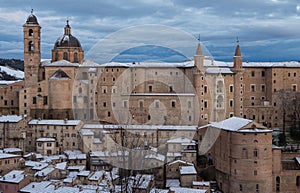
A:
13	63
11	69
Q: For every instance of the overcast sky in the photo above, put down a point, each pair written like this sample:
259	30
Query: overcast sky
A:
268	30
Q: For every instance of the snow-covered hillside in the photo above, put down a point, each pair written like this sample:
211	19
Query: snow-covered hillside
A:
12	72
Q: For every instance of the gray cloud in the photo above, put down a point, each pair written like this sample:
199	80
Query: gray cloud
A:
257	23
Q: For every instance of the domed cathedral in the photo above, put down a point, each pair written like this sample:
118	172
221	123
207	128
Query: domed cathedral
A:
67	47
49	84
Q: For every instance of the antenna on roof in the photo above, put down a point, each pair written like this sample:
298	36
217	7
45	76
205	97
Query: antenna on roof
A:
199	37
237	40
31	11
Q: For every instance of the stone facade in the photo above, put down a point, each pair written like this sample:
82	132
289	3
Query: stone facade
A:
242	155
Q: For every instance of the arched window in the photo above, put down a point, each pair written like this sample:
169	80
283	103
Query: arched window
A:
277	184
219	86
65	57
39	89
220	101
30	46
75	57
30	32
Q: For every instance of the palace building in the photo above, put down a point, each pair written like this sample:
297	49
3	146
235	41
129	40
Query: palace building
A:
187	93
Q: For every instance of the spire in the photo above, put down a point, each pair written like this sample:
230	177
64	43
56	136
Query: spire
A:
237	49
67	29
199	50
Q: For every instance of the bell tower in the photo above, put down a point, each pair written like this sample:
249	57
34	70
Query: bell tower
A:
32	51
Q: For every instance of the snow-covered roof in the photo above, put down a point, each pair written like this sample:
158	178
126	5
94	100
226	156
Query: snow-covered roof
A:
84	173
38	187
78	168
198	183
238	124
140	127
45	139
174	154
61	166
150	64
183	141
10	118
172	183
97	175
70	152
288	64
44	172
187	170
54	122
186	190
12	150
77	156
108	153
6	155
14	176
180	161
60	63
36	165
86	132
158	157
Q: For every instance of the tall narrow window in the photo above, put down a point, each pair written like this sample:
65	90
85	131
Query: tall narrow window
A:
150	88
298	181
65	57
75	57
56	56
257	187
277	184
30	32
30	46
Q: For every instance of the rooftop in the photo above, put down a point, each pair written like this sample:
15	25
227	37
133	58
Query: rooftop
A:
10	118
14	176
185	170
54	122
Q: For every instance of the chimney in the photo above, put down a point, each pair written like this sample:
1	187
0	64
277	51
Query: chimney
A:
32	185
14	175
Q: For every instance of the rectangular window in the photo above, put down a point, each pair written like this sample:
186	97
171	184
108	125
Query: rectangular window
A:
231	102
125	105
189	104
104	104
5	102
205	89
171	88
74	99
33	100
263	88
205	104
173	104
231	88
45	100
294	87
252	73
85	99
150	88
12	103
156	104
252	87
263	73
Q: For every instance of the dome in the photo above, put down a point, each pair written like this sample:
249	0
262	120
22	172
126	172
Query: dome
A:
32	19
67	41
